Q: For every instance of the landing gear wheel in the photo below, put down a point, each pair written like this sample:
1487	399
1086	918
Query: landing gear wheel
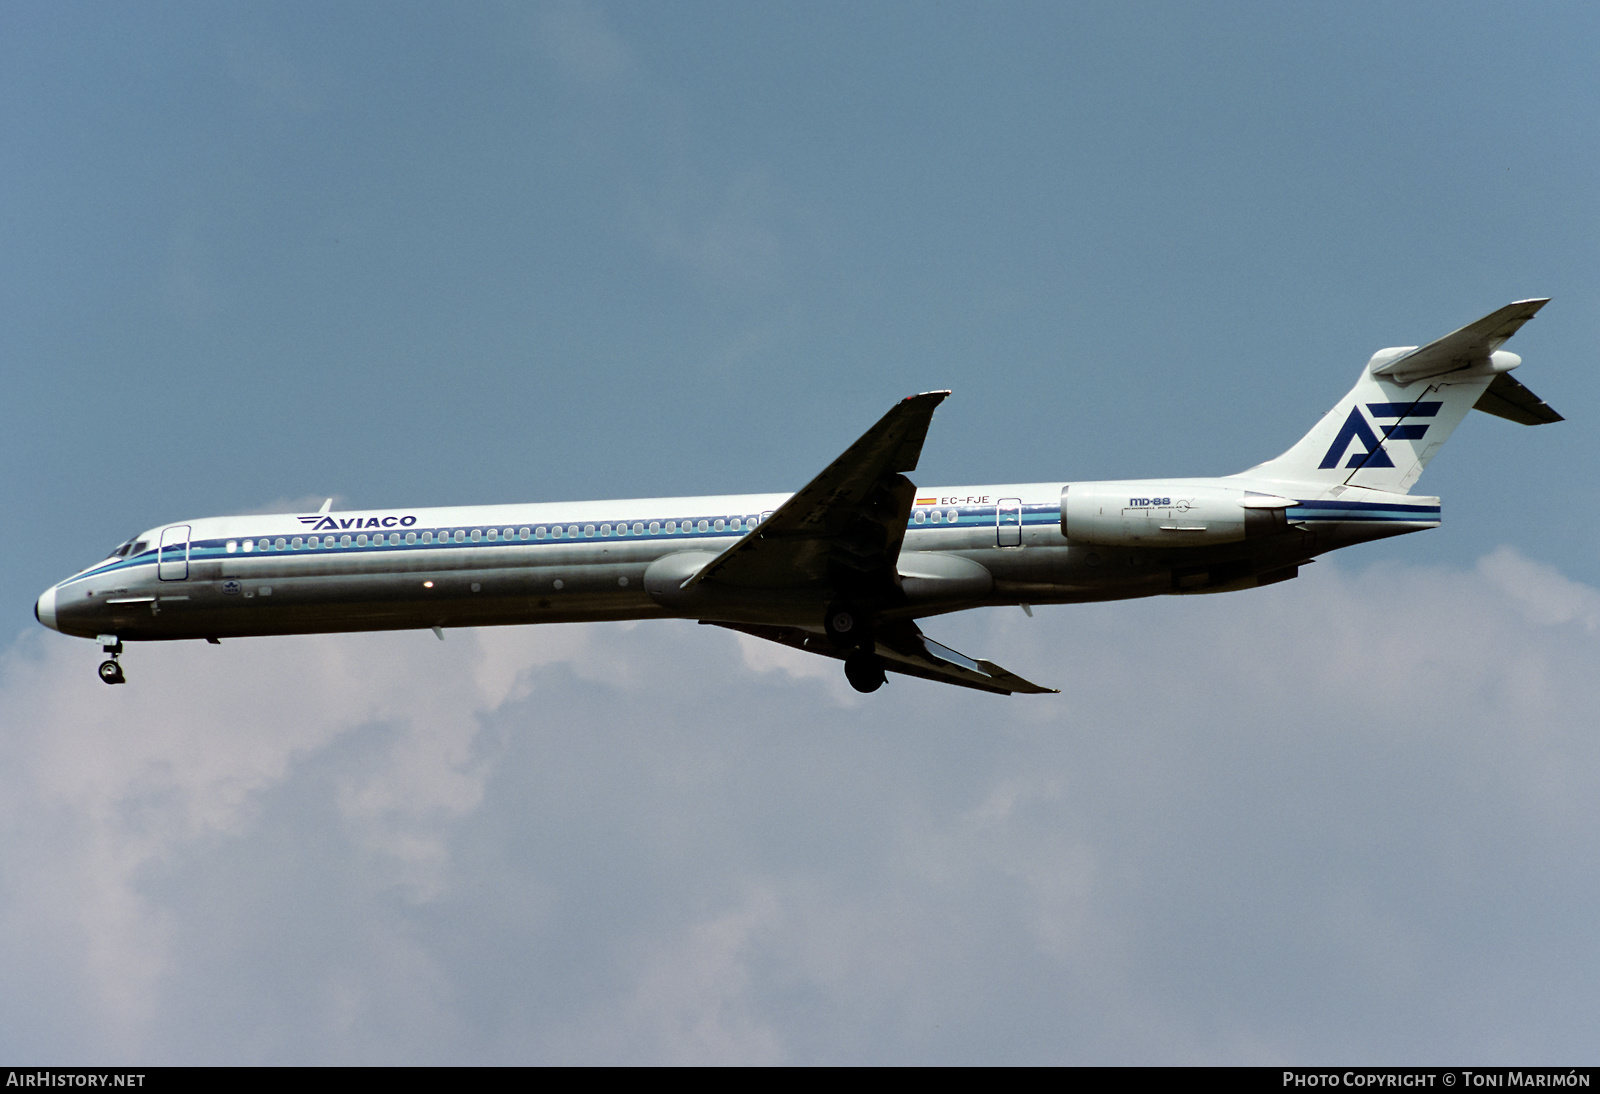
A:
848	626
111	673
864	671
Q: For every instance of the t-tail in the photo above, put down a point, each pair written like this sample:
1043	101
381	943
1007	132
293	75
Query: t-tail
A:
1407	403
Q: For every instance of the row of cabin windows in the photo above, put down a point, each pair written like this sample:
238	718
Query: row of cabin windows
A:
537	532
496	535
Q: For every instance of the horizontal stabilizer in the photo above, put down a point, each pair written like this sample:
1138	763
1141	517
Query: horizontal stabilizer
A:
1462	348
1507	398
903	648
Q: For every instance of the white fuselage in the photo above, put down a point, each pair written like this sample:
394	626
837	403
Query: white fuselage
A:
222	577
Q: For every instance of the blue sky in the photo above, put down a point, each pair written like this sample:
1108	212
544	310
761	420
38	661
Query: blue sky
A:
412	255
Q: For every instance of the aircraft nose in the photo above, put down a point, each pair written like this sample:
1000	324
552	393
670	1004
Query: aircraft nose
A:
44	609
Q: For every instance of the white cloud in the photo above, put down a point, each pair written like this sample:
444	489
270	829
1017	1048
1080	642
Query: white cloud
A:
1352	815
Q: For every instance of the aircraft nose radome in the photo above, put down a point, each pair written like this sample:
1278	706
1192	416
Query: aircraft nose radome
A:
44	609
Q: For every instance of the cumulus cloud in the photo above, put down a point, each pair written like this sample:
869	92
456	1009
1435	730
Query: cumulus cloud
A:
1349	816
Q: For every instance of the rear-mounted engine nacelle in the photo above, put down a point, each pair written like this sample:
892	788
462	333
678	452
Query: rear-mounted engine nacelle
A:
1173	514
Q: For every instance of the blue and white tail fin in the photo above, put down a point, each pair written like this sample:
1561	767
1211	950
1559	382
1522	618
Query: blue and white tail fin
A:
1407	403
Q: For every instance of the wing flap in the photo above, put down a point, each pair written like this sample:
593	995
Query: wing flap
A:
903	648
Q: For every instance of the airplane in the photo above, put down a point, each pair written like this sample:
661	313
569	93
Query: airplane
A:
846	566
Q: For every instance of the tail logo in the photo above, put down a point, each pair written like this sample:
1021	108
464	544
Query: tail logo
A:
1357	428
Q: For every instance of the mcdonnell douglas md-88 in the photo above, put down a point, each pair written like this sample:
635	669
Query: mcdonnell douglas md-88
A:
845	567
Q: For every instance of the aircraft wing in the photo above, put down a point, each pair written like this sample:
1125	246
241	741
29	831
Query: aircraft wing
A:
1461	348
847	524
903	648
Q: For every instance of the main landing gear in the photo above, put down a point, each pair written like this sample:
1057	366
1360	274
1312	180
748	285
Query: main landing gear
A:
110	670
850	627
864	671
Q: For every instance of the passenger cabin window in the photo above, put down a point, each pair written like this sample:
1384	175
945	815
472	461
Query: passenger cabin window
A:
232	546
249	545
605	529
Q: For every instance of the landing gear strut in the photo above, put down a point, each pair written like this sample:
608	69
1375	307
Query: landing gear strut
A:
110	670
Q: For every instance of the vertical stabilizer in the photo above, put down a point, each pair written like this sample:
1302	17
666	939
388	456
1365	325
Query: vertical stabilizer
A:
1404	406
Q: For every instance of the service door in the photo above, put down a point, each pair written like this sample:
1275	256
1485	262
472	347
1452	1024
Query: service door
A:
173	564
1008	522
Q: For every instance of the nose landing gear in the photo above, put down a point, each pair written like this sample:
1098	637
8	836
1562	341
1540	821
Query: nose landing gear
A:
110	670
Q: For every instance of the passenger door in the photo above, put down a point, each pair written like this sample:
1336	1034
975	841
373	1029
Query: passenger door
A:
173	558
